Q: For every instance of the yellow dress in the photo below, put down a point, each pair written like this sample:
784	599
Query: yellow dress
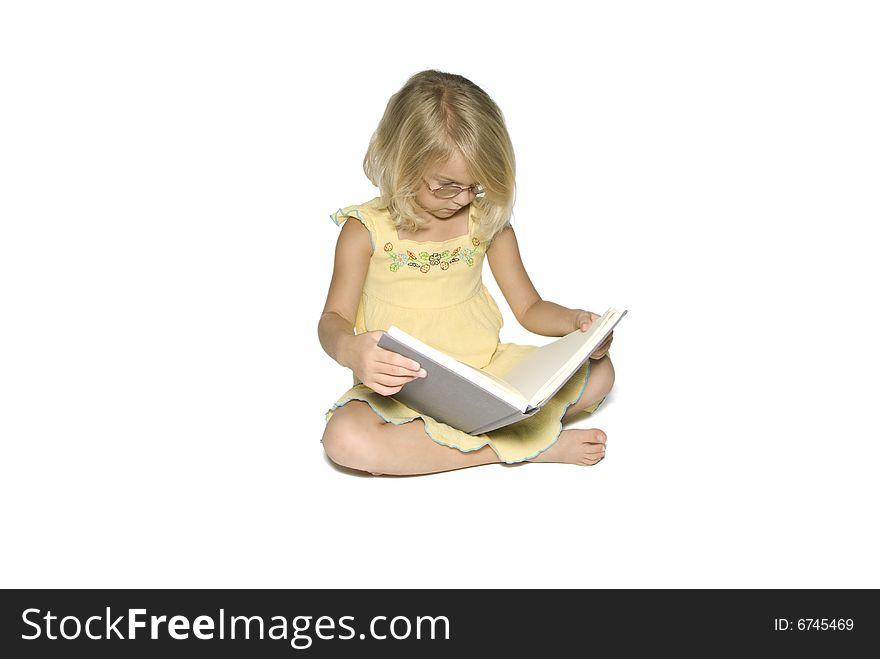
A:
434	291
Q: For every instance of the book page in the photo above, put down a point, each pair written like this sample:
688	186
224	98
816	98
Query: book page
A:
543	371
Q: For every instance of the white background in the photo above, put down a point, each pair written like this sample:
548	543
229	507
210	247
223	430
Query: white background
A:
167	172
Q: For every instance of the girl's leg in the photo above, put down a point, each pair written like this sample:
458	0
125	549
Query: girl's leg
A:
598	385
584	447
357	438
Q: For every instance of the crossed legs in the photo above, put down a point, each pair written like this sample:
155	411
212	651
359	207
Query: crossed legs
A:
357	438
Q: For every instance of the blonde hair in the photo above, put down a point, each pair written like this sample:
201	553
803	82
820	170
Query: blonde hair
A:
431	117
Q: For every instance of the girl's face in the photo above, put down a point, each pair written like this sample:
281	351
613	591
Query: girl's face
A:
452	172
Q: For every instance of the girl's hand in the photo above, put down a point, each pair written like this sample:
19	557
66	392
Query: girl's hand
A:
383	371
583	321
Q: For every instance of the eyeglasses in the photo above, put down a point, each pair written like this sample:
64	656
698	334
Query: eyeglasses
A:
451	191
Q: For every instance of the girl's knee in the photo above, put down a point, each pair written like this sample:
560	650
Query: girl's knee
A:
603	372
350	442
610	367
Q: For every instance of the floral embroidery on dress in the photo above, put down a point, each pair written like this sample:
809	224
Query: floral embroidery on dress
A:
424	261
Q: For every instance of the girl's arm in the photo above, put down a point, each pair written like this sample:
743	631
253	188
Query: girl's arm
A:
536	315
349	272
383	371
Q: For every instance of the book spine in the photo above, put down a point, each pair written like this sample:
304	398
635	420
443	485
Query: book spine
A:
506	421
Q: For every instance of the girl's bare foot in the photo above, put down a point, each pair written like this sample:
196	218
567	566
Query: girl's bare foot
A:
575	446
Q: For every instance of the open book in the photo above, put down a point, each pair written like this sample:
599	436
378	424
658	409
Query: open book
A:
474	401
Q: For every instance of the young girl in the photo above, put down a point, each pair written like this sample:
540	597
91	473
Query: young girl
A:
444	165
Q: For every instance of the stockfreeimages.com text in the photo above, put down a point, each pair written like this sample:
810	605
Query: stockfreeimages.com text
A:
299	630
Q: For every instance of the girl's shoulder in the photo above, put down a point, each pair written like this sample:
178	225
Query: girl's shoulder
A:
372	214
